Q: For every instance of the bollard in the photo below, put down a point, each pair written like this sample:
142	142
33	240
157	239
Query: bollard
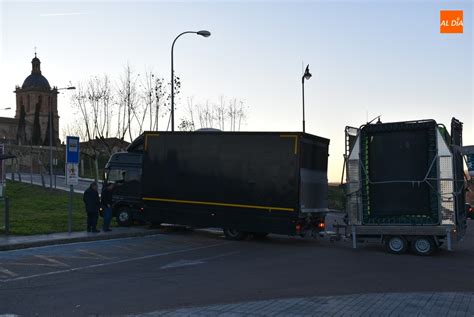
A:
69	214
7	216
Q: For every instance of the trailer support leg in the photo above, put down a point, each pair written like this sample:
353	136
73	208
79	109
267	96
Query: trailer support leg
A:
448	237
354	239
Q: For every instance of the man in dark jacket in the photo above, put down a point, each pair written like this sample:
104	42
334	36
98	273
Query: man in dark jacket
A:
92	202
106	199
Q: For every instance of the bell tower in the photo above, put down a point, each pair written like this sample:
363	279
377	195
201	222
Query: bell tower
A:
36	103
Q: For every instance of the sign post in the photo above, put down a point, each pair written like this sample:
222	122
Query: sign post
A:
72	171
6	221
2	172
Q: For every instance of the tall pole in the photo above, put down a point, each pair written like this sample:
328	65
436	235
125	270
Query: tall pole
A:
50	145
172	85
302	85
69	214
307	75
202	33
172	78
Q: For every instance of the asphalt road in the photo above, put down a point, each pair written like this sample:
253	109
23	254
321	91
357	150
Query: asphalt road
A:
59	182
180	268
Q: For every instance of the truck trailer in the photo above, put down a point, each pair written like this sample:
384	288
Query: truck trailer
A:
243	182
405	185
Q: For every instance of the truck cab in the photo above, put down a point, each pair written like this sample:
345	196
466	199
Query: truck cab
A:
124	171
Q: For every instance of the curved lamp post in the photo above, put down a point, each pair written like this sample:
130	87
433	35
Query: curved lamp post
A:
307	75
202	33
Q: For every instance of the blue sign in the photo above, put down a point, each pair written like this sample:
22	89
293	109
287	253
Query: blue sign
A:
72	149
470	163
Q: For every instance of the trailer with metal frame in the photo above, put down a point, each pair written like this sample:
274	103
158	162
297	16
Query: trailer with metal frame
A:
405	185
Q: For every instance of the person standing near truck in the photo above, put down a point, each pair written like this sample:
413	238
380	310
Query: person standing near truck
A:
106	200
92	204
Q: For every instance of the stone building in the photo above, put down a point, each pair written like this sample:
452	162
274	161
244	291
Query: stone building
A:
35	99
8	129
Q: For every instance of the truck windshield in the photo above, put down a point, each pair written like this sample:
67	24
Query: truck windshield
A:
120	175
114	175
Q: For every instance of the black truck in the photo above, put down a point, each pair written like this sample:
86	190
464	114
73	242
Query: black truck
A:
124	170
244	182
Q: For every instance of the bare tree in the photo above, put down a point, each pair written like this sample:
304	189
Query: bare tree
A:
225	114
153	95
128	103
93	103
236	112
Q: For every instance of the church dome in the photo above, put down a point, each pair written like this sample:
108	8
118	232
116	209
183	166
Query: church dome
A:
36	80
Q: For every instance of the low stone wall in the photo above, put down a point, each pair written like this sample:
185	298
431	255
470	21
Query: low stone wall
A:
33	158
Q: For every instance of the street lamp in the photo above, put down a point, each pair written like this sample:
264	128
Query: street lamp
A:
203	33
51	138
307	75
7	108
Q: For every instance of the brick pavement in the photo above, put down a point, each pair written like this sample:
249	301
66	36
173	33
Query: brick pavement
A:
384	304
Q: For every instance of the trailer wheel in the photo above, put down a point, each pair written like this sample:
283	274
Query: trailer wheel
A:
232	234
124	216
423	245
396	244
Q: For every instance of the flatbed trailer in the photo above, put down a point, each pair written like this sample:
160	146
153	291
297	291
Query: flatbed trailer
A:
405	185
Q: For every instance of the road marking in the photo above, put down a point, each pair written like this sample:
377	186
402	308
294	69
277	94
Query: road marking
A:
145	257
81	242
94	255
51	260
122	247
7	272
182	263
89	255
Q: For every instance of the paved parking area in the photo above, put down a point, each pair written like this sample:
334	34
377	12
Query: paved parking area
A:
392	304
180	268
53	260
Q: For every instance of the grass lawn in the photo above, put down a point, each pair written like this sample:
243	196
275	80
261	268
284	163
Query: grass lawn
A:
36	210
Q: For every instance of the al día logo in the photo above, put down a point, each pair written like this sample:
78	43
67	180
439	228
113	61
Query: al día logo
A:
451	21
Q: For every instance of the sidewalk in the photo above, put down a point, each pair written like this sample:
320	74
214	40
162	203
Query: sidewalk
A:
22	242
379	304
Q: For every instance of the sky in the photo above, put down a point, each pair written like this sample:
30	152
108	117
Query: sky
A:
368	58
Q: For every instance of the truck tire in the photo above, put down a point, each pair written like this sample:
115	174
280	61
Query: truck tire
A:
423	245
232	234
396	244
124	216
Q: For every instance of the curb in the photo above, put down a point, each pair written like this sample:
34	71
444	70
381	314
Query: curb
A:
60	241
